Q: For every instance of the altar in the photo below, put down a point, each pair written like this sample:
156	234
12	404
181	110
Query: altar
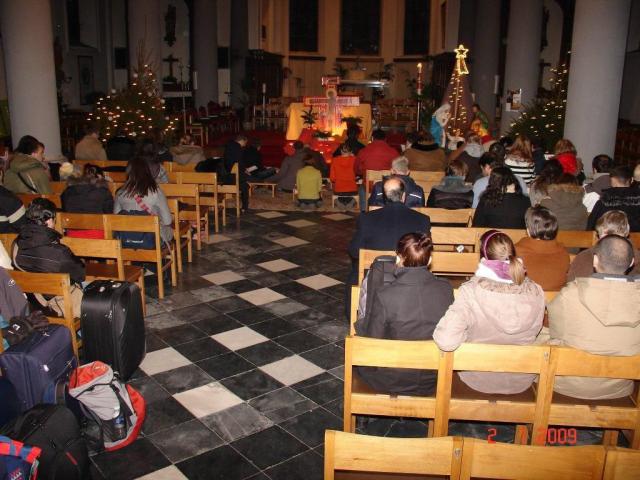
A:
295	123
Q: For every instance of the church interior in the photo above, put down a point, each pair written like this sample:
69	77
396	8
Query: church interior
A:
251	356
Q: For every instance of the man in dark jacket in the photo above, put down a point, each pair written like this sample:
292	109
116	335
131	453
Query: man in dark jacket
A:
38	244
286	176
414	194
120	147
621	196
234	153
11	212
601	165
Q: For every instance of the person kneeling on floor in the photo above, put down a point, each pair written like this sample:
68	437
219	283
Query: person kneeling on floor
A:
309	184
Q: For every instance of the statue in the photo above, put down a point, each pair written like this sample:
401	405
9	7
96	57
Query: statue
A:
439	121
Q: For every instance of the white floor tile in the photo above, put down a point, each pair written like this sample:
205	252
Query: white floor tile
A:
278	265
163	360
292	370
270	214
239	338
168	473
217	238
261	296
289	241
337	216
300	223
220	278
207	399
318	282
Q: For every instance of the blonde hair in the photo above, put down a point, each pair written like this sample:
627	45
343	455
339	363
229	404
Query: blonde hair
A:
498	246
564	146
636	173
613	222
522	148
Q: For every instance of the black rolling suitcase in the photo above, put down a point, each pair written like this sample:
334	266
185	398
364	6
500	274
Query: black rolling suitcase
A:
113	325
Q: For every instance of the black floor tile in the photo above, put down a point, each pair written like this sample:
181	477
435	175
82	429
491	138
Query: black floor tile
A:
230	304
154	342
300	341
223	463
327	357
249	316
308	318
185	440
242	286
306	466
310	426
182	379
251	384
290	289
150	389
138	459
282	404
181	334
269	447
201	349
270	279
195	313
275	327
311	298
225	365
164	414
321	388
264	353
218	323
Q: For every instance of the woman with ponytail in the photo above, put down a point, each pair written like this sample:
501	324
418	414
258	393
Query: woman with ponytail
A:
408	308
500	305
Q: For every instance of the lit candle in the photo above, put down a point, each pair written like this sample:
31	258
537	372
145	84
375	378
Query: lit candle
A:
264	88
419	68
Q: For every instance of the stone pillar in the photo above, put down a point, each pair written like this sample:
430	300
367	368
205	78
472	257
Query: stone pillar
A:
523	54
595	76
145	25
205	50
27	41
486	55
239	51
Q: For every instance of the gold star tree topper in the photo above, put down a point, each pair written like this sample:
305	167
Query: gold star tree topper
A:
461	65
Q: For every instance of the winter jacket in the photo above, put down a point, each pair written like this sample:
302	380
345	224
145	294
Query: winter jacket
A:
26	175
155	201
520	167
489	311
414	194
483	182
342	174
409	308
120	148
471	157
626	199
11	212
375	156
546	261
39	250
13	303
286	176
426	157
565	201
569	162
582	265
600	315
601	181
451	194
508	214
309	183
90	148
86	196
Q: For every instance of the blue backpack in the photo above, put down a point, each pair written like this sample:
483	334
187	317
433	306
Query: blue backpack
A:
136	240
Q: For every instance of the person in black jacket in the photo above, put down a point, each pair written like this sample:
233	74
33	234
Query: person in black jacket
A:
38	247
452	193
11	211
234	153
88	193
409	308
414	193
621	196
120	147
502	204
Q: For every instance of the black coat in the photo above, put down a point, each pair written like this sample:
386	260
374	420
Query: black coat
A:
407	309
626	199
414	194
120	148
87	198
40	250
11	211
508	214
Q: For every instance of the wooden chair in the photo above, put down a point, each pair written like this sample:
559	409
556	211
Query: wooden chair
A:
462	216
182	235
621	464
52	284
101	163
360	399
118	177
27	198
79	221
460	402
615	414
481	459
427	186
513	233
106	250
230	191
373	176
191	212
635	239
179	167
365	453
577	238
57	187
7	240
208	187
454	238
145	224
421	176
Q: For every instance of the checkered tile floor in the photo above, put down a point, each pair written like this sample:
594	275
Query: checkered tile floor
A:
244	366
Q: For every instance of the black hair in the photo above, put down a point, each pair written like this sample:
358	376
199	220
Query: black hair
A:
623	173
499	180
488	158
602	163
28	145
140	181
148	150
499	150
298	145
40	210
551	171
379	134
506	142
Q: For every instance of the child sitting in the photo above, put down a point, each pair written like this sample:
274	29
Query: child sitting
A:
343	177
309	184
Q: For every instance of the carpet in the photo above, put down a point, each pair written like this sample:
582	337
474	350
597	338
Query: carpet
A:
261	200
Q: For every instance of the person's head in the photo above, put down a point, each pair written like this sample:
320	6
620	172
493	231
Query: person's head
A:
564	146
522	148
93	171
148	150
567	179
613	255
379	134
602	163
475	107
498	150
551	171
427	137
506	142
400	165
256	143
352	132
457	168
42	211
488	161
29	146
414	250
613	222
186	139
495	245
91	131
621	176
242	140
636	174
298	145
393	190
68	171
474	138
541	223
412	137
308	160
140	181
345	150
501	181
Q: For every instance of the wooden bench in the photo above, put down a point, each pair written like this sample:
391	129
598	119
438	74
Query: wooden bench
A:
189	194
208	188
101	163
27	198
269	185
232	190
182	235
621	464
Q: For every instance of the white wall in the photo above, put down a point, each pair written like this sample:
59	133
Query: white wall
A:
224	39
630	97
551	54
119	39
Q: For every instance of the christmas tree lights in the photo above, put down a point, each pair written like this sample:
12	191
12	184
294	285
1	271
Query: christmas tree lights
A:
458	95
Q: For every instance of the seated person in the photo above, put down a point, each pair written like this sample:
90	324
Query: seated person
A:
120	146
452	193
602	165
309	184
599	314
546	260
11	211
90	147
286	176
487	163
253	162
408	308
614	222
621	196
353	132
502	205
148	150
414	194
471	155
425	154
498	305
343	177
27	171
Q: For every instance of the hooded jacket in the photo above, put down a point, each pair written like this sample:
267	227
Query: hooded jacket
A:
86	196
489	311
426	157
26	170
626	199
546	261
11	211
39	250
452	193
565	201
600	315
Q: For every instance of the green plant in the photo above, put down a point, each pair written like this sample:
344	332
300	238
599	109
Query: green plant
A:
427	101
309	117
340	70
387	72
321	134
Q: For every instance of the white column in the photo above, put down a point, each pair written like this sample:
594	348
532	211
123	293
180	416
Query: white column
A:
595	77
523	54
205	51
27	40
238	51
485	54
145	25
453	25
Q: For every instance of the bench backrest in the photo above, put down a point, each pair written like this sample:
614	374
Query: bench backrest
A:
27	198
97	248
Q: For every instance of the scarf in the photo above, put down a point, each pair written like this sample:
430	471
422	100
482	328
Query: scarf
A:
495	270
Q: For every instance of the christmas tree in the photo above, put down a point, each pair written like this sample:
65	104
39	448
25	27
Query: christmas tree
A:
137	110
458	95
544	117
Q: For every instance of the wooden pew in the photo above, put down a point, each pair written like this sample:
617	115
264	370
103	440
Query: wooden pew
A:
462	216
189	194
208	187
231	191
621	464
57	187
27	198
181	233
101	163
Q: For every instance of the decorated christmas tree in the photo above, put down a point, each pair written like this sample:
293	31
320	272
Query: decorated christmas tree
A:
458	95
136	110
544	117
